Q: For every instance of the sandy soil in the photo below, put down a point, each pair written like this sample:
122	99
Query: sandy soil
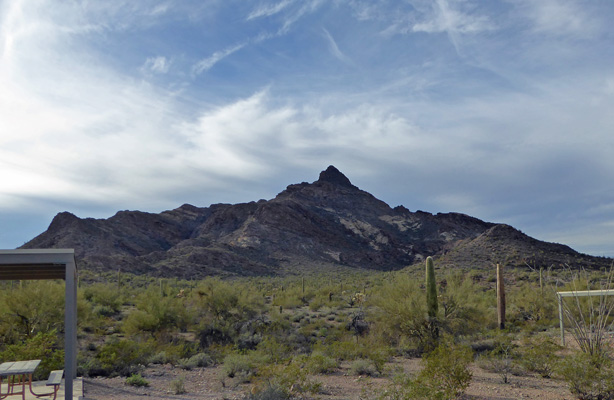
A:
205	383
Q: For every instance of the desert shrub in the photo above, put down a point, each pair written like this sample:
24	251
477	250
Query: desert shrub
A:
502	358
589	377
104	297
319	363
222	301
539	355
122	357
400	312
178	385
35	307
42	346
363	366
291	378
159	358
199	360
136	380
270	392
156	315
531	307
276	350
445	376
368	348
464	306
244	366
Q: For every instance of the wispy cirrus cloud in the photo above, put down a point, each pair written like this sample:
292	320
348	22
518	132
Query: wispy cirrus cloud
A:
208	63
334	48
560	17
267	10
448	16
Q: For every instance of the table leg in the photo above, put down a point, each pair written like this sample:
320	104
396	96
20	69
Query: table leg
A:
1	396
54	393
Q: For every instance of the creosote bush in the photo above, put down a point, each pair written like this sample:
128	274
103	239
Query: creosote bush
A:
136	380
590	377
445	376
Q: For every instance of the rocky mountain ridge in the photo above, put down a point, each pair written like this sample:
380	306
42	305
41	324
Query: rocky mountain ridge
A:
323	224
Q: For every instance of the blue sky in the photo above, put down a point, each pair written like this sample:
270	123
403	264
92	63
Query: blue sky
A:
497	109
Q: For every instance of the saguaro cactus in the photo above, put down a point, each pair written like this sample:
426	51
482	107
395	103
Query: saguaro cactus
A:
431	289
500	298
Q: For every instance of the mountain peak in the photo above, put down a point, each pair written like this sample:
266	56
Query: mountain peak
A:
333	175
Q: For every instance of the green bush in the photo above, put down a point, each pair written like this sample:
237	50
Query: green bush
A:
36	307
269	393
136	380
539	355
363	366
178	385
291	378
319	363
199	360
44	347
157	315
105	297
590	377
122	357
244	366
445	376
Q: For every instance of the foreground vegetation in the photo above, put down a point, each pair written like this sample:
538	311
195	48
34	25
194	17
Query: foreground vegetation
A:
278	333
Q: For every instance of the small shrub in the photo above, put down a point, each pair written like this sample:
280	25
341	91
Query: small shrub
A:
178	385
540	356
244	366
363	367
269	393
159	358
590	377
501	359
43	346
319	363
445	376
199	360
136	380
123	357
291	378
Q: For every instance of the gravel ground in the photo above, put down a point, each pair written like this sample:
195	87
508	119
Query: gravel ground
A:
205	383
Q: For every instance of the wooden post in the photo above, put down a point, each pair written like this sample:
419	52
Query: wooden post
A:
500	298
303	283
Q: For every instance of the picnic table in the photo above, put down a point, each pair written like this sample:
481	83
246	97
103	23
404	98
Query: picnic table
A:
17	374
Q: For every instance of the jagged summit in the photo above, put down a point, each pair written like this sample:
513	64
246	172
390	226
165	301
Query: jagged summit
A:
333	175
326	224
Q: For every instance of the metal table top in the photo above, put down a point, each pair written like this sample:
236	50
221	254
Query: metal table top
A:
18	367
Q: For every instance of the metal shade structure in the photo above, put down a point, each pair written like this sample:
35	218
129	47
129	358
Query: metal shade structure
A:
577	293
38	264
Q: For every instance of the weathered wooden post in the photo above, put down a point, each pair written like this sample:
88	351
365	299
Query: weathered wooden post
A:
500	298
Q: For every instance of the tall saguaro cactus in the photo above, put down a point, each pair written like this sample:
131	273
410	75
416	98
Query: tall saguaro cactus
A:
431	301
431	289
500	298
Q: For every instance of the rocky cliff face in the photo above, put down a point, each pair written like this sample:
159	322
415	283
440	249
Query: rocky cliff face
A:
329	222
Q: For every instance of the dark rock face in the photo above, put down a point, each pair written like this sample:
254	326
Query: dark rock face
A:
328	222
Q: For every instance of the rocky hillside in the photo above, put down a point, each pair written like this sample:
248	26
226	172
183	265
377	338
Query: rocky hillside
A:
327	223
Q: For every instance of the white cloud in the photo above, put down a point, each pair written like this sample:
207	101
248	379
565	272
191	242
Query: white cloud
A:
267	10
208	63
334	48
446	16
560	17
159	64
